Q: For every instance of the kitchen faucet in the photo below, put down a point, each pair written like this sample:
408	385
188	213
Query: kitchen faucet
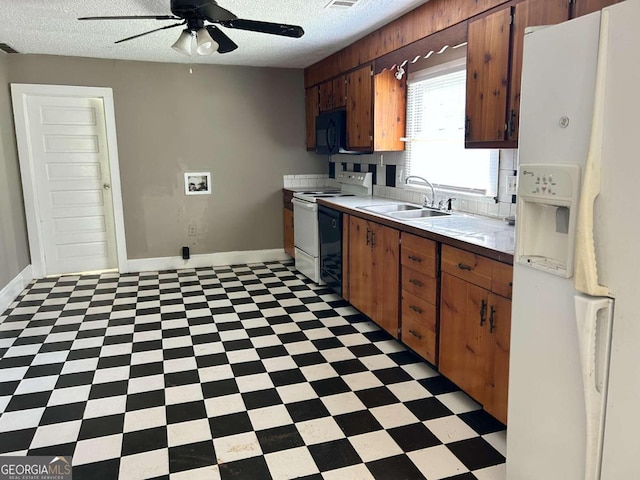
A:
427	203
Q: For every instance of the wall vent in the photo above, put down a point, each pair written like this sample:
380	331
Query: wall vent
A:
341	4
7	48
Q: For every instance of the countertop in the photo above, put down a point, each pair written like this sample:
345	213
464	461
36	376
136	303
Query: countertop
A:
486	236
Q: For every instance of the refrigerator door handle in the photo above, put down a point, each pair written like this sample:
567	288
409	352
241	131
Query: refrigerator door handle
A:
594	319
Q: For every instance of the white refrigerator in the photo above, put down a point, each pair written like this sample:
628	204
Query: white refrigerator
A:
574	384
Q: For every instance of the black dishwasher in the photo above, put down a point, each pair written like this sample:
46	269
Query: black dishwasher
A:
330	228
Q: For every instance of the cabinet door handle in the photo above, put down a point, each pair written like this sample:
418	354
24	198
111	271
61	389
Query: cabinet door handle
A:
413	258
416	309
483	312
373	238
415	282
368	236
492	319
415	334
462	266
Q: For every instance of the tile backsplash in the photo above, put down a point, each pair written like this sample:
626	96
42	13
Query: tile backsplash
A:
311	180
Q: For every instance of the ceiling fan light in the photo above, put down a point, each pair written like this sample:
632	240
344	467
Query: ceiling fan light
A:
183	44
206	44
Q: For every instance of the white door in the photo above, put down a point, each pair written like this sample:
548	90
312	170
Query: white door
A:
66	141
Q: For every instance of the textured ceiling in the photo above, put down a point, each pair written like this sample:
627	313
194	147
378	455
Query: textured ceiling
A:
51	27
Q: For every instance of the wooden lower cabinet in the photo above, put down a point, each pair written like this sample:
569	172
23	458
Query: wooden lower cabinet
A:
475	326
374	272
289	246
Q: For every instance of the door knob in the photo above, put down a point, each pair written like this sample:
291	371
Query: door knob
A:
106	186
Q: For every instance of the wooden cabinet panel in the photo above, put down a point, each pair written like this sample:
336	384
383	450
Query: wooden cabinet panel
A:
419	284
325	91
420	338
332	94
419	310
360	266
468	266
386	277
502	279
360	109
312	110
339	92
584	7
419	254
390	107
497	373
346	277
288	233
487	77
463	316
526	14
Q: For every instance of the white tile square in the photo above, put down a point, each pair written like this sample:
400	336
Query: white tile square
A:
217	372
180	365
188	432
230	335
293	463
437	462
318	372
378	362
407	391
420	371
183	394
239	356
375	445
63	396
144	419
396	415
296	392
151	356
211	472
101	407
458	402
97	449
354	472
299	348
266	341
77	366
177	342
37	384
319	430
251	383
361	381
20	419
337	354
277	364
450	429
145	465
208	348
218	406
145	384
114	374
497	472
22	350
343	403
236	447
147	336
56	434
269	417
116	349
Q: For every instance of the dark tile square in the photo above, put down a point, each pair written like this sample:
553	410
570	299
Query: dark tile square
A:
147	346
279	438
27	401
176	379
329	386
439	385
63	413
247	368
191	456
16	440
345	367
144	440
413	437
428	408
307	410
292	337
250	468
481	422
8	388
404	358
261	398
259	332
139	401
63	449
184	412
75	379
475	453
233	345
393	468
44	370
306	359
335	454
83	353
389	376
287	377
212	360
173	353
106	470
101	426
365	350
104	390
327	343
376	397
219	388
146	369
355	423
230	424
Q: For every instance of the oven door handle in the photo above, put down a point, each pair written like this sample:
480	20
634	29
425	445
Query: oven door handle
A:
302	204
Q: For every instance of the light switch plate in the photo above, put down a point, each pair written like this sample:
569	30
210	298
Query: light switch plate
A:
512	185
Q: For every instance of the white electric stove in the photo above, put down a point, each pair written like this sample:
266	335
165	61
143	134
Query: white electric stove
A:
305	218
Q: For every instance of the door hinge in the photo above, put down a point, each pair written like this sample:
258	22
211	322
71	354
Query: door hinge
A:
467	128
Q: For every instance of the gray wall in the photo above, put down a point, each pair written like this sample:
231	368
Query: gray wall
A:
14	248
245	125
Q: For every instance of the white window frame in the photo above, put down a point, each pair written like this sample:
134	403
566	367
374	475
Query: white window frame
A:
433	72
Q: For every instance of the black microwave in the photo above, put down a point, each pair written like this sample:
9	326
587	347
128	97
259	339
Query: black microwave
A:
331	132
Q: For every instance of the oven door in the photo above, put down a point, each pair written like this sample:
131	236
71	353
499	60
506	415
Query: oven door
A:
305	226
330	229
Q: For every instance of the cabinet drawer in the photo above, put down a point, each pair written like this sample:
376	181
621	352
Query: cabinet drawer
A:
468	266
419	284
419	253
418	310
420	338
502	279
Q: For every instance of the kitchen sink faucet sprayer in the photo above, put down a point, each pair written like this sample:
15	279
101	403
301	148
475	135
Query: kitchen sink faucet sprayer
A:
427	202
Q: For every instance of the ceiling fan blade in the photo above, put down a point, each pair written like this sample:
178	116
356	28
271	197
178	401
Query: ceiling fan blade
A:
264	27
226	44
215	13
133	17
151	31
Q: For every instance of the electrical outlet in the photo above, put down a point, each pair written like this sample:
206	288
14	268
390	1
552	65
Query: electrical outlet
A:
512	185
193	231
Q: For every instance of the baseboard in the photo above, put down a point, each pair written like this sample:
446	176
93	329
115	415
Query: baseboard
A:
9	293
207	260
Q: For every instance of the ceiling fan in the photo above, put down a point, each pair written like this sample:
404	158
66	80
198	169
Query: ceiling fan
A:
196	16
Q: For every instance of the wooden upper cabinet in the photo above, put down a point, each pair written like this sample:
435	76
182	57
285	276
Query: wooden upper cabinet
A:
390	111
487	77
527	14
584	7
360	109
311	100
332	94
339	89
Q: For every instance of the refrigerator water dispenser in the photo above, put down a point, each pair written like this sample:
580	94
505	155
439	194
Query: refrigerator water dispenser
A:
547	204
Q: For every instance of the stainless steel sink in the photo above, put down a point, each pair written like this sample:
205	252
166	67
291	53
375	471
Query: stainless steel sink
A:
391	208
421	213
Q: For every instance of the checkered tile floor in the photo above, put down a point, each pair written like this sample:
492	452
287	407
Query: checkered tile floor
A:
242	372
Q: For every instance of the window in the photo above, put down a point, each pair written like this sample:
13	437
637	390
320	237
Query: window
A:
435	131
